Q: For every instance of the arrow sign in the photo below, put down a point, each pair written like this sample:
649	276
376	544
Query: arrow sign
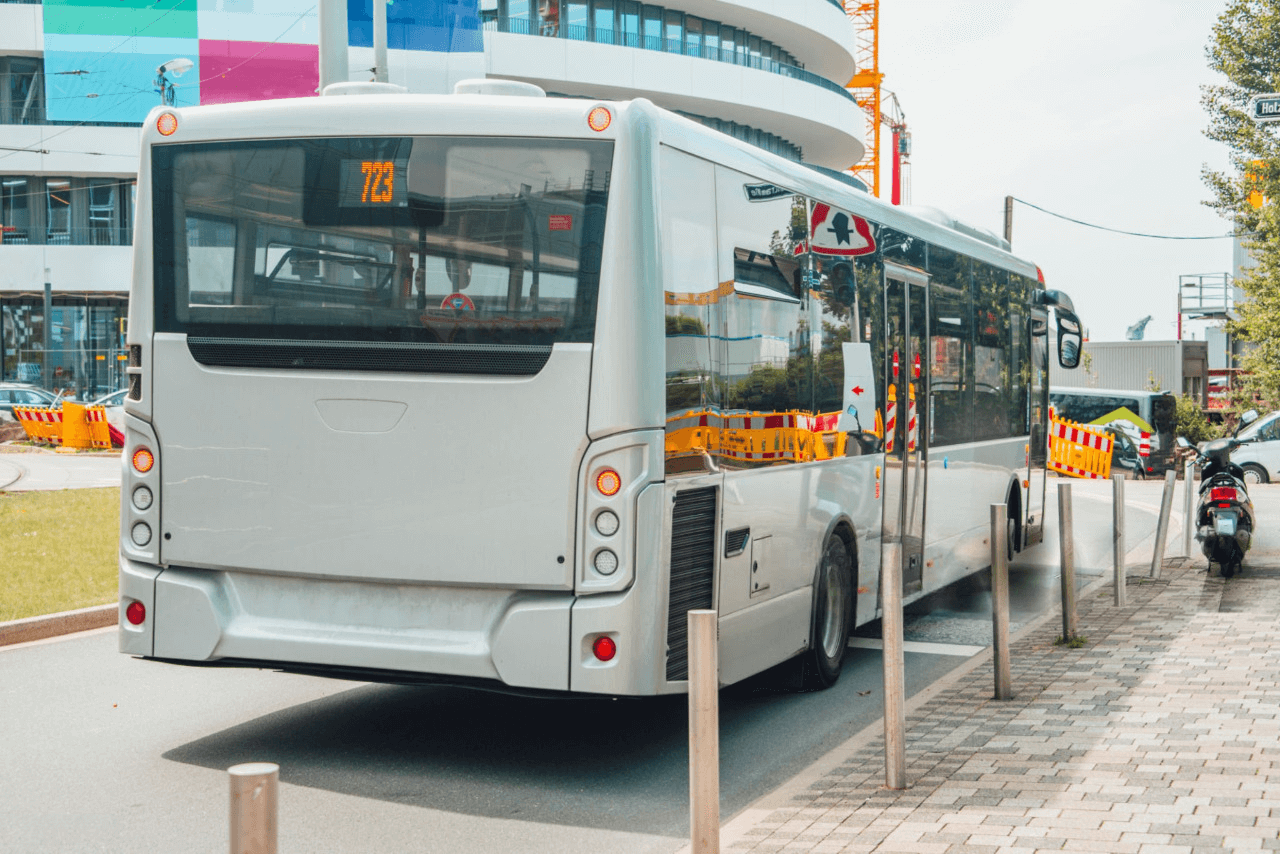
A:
1265	108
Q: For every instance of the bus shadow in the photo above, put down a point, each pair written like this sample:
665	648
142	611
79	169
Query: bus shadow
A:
608	764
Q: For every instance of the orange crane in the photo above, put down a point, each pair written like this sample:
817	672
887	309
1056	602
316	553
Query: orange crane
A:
869	95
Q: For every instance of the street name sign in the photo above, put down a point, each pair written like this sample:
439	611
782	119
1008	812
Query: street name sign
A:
1265	108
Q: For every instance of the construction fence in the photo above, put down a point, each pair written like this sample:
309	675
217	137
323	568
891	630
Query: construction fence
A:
73	426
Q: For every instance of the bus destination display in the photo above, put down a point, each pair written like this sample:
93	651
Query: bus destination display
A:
372	183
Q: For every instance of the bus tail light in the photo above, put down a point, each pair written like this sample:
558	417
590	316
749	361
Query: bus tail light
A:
167	124
143	460
604	648
608	482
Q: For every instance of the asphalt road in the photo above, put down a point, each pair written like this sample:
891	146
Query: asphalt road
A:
109	753
29	472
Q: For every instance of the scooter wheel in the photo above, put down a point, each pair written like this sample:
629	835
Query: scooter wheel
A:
1228	569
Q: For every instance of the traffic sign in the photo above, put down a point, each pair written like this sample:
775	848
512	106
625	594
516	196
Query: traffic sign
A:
1265	108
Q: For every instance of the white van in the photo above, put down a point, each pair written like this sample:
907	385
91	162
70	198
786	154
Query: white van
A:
1260	456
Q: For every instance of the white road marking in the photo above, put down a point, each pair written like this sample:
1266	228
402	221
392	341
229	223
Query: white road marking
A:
956	649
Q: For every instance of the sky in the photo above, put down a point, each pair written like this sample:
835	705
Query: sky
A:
1088	109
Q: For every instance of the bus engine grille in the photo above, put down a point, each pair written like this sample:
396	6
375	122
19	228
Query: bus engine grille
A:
693	561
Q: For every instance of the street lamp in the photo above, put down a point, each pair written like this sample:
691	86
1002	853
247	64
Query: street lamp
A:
176	67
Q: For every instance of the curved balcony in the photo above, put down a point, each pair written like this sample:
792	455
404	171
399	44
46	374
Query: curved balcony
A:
823	122
740	55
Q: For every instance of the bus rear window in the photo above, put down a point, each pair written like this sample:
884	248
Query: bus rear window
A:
399	240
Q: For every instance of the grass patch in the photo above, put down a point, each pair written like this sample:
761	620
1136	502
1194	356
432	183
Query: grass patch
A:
1075	643
59	550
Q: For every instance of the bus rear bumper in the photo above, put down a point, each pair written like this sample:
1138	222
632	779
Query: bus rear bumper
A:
518	638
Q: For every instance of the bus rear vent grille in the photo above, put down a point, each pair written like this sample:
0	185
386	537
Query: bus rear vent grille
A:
135	355
135	387
693	562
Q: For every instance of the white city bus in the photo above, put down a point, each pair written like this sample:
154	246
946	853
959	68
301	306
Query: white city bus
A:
492	390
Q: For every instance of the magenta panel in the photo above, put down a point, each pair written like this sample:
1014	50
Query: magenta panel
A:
252	71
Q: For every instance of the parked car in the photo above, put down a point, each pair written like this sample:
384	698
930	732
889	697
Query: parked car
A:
22	394
1259	456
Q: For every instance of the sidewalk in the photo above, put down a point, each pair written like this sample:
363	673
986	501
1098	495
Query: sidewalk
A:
1160	735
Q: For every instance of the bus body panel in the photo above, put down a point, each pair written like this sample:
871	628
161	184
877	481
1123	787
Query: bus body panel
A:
628	336
477	633
962	480
372	476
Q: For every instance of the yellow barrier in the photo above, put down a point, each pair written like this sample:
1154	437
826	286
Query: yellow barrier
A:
1079	451
75	429
74	426
757	437
42	425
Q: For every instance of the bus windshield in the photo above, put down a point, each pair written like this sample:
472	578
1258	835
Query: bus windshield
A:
405	240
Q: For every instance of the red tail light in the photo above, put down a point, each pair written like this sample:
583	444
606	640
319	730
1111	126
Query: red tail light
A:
1222	493
604	648
136	613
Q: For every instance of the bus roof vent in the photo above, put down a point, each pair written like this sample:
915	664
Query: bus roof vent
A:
363	88
943	218
490	86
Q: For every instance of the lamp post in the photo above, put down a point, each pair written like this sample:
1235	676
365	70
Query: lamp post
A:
176	67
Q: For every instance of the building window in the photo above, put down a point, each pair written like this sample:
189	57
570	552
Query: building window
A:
15	209
58	211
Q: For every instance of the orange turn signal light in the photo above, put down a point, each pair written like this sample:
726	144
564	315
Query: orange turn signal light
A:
143	460
608	482
167	124
599	119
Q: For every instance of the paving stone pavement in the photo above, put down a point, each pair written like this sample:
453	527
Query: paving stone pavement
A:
1161	735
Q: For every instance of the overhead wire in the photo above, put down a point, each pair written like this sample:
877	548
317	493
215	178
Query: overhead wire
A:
1122	231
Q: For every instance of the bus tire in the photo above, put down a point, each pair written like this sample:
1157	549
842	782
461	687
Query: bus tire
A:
1013	539
833	603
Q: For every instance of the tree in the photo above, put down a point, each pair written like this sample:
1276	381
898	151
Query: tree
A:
1191	422
1245	50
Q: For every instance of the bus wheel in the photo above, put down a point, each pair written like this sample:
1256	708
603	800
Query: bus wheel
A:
832	616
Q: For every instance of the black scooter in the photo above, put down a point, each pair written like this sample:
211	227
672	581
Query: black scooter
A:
1224	515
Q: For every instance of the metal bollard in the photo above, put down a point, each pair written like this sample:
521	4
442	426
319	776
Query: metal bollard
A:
894	669
1188	506
1067	550
1162	526
1000	600
254	788
704	733
1117	545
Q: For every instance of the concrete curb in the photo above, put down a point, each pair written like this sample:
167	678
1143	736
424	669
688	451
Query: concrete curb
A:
65	623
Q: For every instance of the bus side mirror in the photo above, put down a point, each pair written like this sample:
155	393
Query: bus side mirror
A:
1069	340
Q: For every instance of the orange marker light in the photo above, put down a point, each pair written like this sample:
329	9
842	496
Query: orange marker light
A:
599	119
143	460
167	124
608	482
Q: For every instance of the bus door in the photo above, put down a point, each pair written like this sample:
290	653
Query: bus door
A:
1038	449
906	419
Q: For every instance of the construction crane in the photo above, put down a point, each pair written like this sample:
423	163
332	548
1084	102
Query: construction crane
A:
869	94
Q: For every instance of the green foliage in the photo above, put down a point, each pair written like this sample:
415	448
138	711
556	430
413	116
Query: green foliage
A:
59	550
1245	50
1191	421
1075	643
